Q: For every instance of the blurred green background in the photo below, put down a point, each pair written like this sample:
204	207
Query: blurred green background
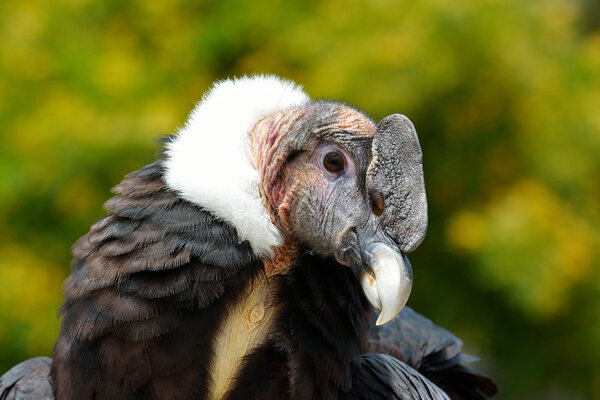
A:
505	96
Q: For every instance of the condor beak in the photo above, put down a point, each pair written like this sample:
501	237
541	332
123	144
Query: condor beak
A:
387	281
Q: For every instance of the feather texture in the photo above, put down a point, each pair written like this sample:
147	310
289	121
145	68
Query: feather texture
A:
162	283
434	352
384	377
150	284
27	381
216	138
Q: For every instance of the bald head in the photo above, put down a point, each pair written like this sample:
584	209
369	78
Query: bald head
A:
302	175
278	139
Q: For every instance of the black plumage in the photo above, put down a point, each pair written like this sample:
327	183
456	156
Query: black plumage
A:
145	296
154	282
161	320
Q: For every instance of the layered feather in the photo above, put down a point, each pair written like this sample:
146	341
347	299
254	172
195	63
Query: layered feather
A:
150	285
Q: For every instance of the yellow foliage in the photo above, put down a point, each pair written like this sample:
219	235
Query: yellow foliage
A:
529	243
117	71
466	231
30	292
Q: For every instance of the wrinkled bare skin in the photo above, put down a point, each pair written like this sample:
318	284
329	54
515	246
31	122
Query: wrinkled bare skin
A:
396	171
366	215
293	178
325	212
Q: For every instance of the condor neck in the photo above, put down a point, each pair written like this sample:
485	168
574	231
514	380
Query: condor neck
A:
328	321
318	335
283	259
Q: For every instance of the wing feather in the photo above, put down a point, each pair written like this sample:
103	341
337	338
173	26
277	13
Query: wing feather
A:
434	352
140	305
382	376
28	380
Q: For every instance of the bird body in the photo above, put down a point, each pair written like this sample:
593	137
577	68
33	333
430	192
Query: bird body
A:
247	261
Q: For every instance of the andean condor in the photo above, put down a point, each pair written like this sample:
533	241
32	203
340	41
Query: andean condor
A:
241	265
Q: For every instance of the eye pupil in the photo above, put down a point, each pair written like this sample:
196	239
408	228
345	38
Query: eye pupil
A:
334	162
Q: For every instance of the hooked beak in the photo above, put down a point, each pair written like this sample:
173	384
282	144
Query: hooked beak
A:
387	281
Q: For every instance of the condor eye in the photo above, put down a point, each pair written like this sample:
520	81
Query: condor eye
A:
334	162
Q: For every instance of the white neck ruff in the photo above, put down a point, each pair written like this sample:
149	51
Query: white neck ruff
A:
209	162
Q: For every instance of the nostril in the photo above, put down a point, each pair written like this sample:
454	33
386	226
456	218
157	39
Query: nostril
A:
377	205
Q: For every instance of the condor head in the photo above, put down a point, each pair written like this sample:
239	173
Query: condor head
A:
324	179
343	187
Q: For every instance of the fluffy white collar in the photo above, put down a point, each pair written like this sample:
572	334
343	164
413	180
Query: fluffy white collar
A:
209	162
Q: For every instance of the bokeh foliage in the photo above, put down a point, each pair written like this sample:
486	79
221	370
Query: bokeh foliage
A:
504	94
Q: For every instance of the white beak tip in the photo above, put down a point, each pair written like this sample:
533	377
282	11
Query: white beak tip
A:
388	314
388	290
